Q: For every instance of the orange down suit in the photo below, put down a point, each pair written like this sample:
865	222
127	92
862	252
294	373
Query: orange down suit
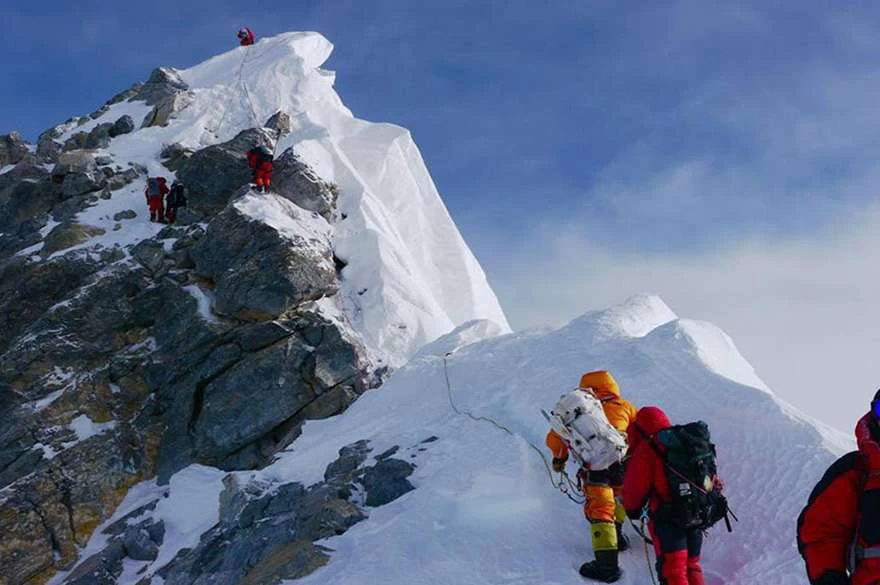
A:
600	505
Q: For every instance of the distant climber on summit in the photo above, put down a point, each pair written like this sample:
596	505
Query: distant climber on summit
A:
839	529
246	37
600	483
260	160
155	192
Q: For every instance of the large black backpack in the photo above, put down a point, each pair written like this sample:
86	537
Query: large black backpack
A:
692	472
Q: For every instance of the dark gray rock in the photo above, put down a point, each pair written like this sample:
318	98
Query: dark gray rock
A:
120	526
99	137
99	112
214	174
100	569
350	458
26	195
386	481
187	216
77	173
48	149
68	235
120	180
123	125
259	272
166	92
296	181
126	214
126	95
174	155
280	122
13	149
150	254
139	545
67	210
248	397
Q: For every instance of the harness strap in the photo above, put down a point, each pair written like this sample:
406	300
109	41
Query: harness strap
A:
872	552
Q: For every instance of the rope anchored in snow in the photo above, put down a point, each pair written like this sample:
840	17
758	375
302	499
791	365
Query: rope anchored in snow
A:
565	484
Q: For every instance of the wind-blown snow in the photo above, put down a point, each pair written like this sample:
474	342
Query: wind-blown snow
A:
410	277
484	511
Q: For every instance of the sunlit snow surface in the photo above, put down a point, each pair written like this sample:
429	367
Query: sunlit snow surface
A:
484	511
410	277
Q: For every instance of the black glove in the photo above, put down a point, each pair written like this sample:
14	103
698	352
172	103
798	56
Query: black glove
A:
635	514
558	464
832	578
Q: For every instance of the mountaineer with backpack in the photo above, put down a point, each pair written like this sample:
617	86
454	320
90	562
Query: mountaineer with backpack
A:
672	470
260	160
839	529
591	424
175	199
155	192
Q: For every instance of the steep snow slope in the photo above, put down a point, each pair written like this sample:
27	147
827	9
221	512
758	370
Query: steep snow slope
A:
410	277
484	511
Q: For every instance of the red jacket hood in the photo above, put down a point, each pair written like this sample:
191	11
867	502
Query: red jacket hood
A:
650	420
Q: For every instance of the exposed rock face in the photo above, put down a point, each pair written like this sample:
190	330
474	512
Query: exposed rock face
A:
260	270
68	235
214	174
266	533
166	92
123	125
280	122
26	197
13	149
200	344
78	173
294	180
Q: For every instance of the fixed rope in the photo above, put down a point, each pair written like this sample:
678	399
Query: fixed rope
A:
239	78
648	558
565	485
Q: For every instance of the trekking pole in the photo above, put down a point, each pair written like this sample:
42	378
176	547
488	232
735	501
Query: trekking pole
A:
646	541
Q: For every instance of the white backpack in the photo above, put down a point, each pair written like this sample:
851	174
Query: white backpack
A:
578	417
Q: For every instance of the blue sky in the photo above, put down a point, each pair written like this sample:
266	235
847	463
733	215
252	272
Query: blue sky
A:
587	150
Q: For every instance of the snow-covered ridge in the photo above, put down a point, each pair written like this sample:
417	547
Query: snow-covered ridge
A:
484	510
409	275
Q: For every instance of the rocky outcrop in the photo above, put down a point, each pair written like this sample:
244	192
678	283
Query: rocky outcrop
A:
67	235
214	174
267	533
280	122
201	344
262	269
166	92
13	149
77	173
295	180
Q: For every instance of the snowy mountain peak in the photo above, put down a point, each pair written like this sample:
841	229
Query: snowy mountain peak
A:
710	345
635	317
408	276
